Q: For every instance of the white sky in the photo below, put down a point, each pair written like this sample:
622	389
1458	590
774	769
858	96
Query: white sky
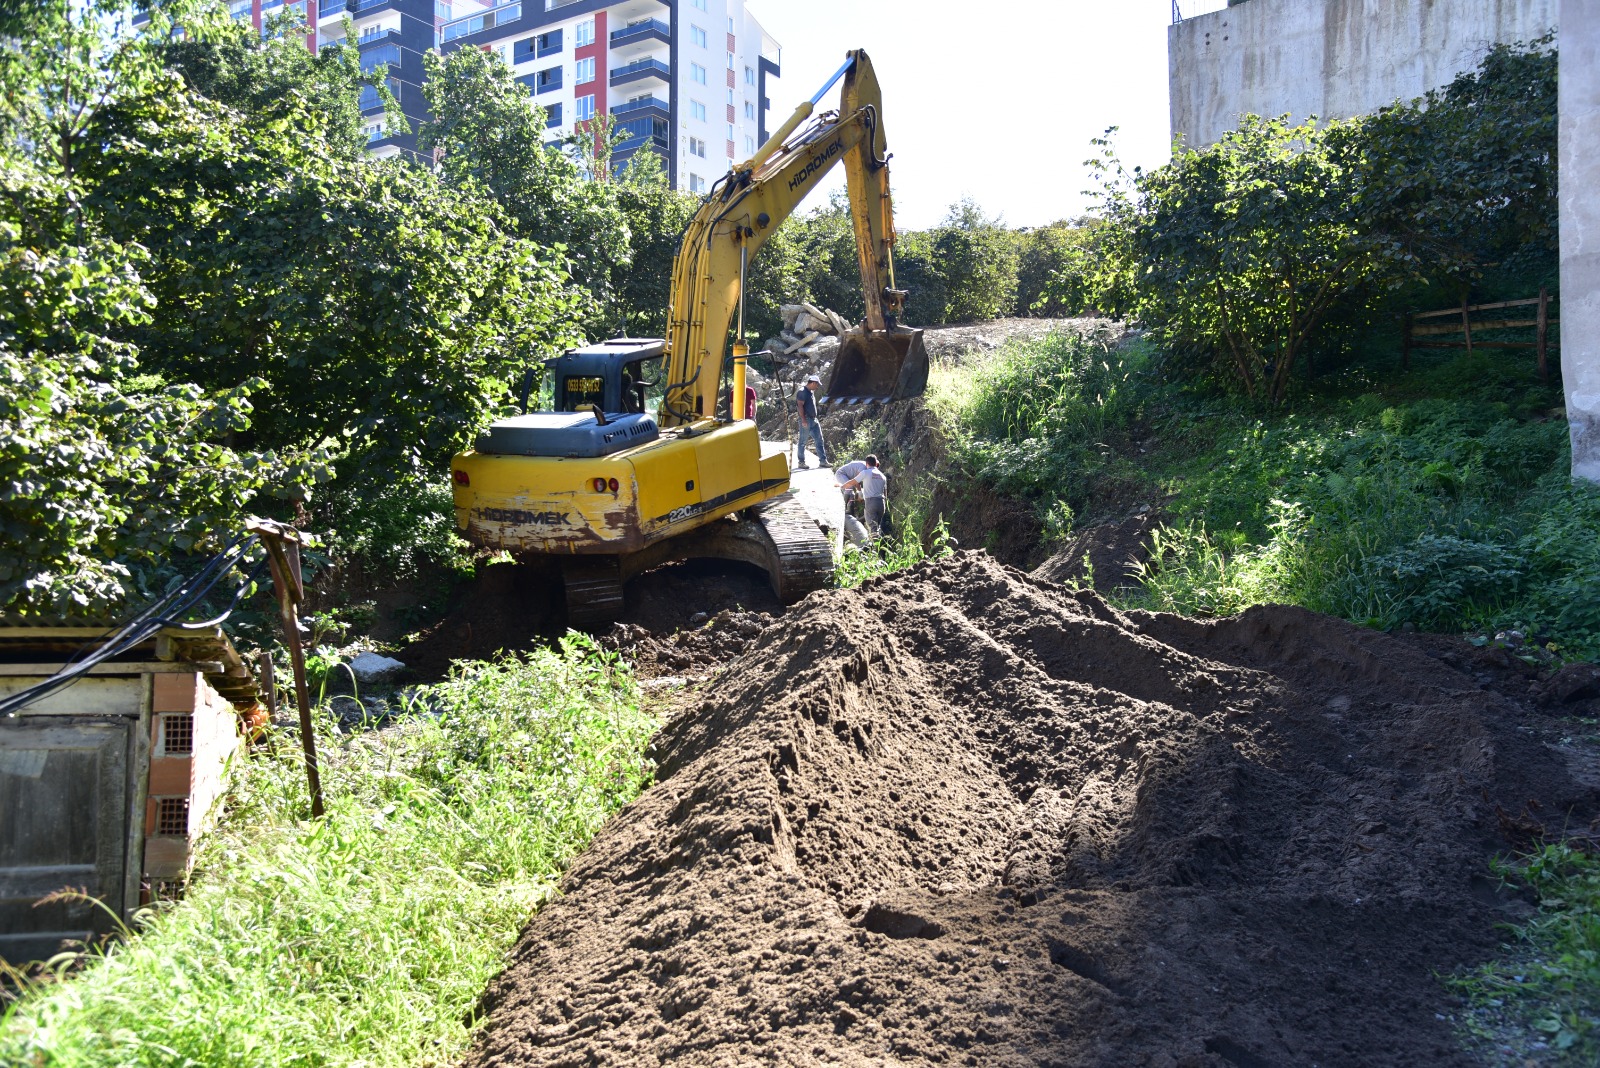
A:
996	99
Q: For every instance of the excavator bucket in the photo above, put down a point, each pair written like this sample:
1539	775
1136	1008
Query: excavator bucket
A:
877	365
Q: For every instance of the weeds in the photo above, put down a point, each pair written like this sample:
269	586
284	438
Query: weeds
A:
893	553
1551	983
367	937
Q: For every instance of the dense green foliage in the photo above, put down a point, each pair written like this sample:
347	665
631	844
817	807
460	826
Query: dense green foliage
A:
216	302
1241	255
1438	500
364	938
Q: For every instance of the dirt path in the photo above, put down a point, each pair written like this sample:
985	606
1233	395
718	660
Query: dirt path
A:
962	816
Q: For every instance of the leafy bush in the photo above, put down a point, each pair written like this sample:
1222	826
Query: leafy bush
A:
365	937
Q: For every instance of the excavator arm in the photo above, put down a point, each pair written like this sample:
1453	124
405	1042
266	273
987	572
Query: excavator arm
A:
743	211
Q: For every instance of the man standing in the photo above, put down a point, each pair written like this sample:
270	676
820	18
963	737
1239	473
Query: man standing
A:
809	424
875	488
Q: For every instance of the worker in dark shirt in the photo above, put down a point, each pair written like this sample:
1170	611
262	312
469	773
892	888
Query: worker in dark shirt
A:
809	423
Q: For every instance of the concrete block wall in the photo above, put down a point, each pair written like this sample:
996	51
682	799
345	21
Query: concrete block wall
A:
1333	59
1580	230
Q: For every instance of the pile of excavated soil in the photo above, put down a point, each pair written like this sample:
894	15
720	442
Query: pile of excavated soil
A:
689	654
962	816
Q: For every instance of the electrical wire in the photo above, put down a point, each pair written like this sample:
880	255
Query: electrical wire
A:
167	611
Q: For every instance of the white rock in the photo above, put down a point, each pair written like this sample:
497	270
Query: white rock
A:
372	667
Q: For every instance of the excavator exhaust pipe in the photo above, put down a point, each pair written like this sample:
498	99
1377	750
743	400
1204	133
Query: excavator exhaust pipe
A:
877	365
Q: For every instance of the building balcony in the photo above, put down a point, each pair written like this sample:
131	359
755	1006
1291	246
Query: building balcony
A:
483	20
651	107
641	70
624	149
641	35
378	38
368	7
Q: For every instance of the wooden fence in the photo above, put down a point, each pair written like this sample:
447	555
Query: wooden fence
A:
1465	325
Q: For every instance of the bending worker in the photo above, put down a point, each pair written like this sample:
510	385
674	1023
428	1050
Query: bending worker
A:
845	473
874	487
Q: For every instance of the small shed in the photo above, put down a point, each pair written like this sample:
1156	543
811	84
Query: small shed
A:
106	783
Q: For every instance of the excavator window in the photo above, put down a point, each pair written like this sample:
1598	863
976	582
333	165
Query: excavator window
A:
577	390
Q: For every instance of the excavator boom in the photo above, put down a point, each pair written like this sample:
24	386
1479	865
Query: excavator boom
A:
878	360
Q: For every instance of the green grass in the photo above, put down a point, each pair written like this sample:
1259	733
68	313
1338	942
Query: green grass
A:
907	547
365	938
1549	984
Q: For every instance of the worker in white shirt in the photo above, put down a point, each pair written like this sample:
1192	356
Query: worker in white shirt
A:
874	488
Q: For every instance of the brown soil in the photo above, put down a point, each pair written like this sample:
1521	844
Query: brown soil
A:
962	816
1105	557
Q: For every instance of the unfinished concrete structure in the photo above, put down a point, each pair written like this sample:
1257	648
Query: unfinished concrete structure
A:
1580	230
106	783
1332	59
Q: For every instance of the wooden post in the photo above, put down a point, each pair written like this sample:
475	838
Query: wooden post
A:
1405	343
269	682
1466	322
1543	334
283	554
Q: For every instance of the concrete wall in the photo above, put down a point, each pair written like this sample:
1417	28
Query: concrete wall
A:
1580	230
1332	59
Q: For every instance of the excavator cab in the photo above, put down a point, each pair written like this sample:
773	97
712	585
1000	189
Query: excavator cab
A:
877	365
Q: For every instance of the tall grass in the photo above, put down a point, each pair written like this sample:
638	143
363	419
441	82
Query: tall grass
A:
364	938
1438	499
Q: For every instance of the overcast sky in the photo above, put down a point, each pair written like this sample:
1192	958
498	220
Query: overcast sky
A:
996	100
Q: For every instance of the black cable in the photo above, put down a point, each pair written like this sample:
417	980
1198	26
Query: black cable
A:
167	611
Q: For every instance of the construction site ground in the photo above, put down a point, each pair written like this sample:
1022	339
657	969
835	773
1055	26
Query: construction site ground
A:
964	816
967	815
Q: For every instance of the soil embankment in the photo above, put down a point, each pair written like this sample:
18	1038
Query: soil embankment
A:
962	816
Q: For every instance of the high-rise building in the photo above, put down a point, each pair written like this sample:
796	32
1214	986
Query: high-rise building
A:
687	79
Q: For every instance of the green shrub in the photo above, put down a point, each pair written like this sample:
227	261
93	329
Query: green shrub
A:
364	938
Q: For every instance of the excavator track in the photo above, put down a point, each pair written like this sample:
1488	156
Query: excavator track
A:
780	537
594	590
802	553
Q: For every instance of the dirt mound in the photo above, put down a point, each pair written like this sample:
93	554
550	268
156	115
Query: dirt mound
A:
961	816
687	654
1105	557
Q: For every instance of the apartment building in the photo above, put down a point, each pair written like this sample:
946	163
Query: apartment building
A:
687	79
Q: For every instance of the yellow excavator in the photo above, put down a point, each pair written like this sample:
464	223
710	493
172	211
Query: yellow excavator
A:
612	492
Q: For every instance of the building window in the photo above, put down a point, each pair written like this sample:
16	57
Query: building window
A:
697	184
697	73
374	131
177	734
547	80
697	35
730	138
700	4
240	9
730	67
172	816
750	144
389	54
749	76
549	43
584	108
697	147
583	71
698	110
552	115
583	33
730	103
749	110
525	50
